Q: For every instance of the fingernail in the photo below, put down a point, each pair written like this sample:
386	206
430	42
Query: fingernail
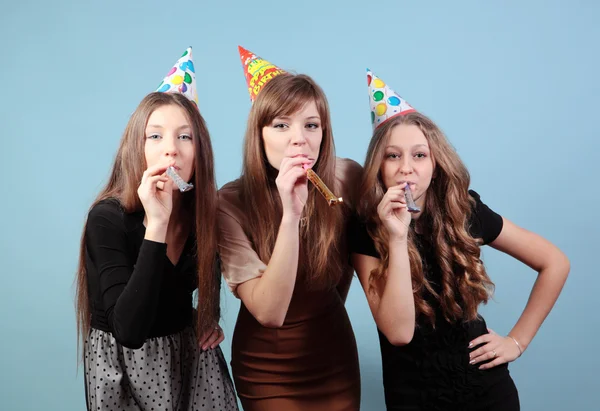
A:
470	345
471	362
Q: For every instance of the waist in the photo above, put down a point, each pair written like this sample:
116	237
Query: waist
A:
299	333
314	350
166	322
306	305
441	354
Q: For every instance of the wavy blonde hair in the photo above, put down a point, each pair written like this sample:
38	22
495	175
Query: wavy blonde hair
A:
320	239
445	221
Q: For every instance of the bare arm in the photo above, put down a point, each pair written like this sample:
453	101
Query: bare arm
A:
392	304
267	290
552	266
268	297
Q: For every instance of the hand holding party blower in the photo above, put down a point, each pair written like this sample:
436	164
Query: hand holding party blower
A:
323	189
411	206
181	184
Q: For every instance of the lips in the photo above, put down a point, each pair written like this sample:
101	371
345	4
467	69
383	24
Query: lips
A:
303	155
410	184
310	159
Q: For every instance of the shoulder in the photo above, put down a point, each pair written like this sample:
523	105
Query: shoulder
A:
347	170
109	213
229	198
108	209
230	192
360	241
348	175
106	219
485	223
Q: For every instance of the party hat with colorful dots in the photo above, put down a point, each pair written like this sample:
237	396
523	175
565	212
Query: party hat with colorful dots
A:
385	102
181	78
257	71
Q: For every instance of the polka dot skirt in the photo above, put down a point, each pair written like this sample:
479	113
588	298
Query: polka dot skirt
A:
167	374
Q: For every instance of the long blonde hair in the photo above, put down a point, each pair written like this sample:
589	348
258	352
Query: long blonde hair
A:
320	238
123	183
445	219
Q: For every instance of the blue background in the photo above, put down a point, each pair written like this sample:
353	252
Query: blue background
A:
514	84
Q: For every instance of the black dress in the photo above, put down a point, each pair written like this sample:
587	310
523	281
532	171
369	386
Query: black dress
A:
432	372
142	353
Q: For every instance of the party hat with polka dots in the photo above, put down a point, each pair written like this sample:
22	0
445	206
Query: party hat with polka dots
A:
257	71
385	102
181	78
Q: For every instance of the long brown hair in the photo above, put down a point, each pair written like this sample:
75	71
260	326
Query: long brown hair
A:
123	183
445	221
320	239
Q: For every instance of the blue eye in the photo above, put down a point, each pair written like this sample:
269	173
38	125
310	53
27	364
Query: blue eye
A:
185	137
153	137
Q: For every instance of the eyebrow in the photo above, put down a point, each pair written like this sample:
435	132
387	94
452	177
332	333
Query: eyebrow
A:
307	118
161	127
415	146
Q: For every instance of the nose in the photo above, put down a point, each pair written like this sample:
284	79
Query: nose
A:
405	165
298	137
170	147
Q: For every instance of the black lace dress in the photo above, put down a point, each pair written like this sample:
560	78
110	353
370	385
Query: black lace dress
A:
432	372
